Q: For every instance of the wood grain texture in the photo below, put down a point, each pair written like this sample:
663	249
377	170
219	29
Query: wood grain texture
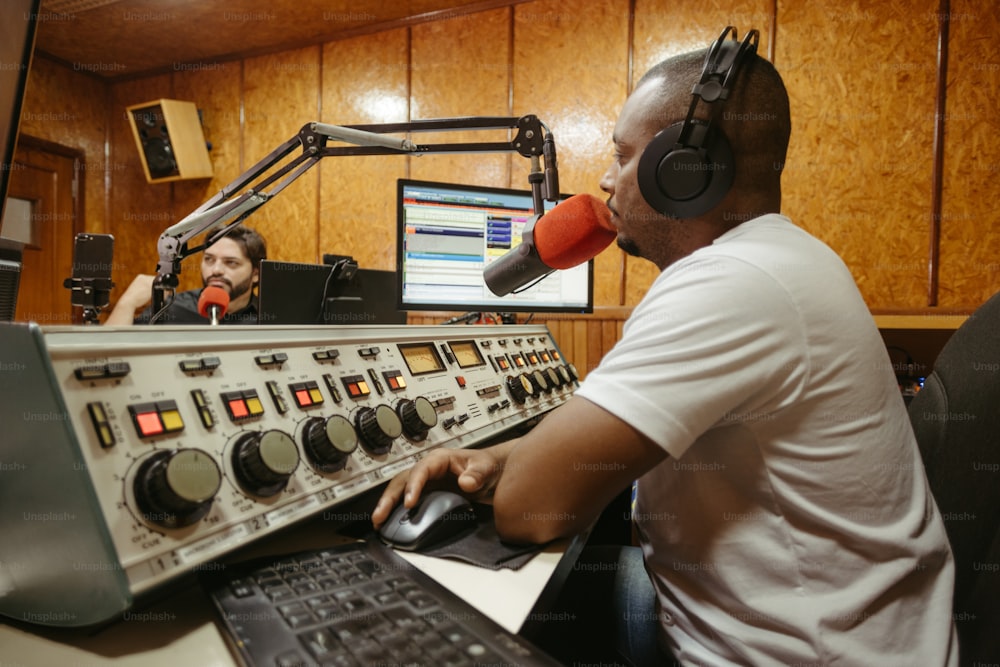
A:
460	67
69	108
970	245
571	70
860	165
138	211
280	95
365	80
215	90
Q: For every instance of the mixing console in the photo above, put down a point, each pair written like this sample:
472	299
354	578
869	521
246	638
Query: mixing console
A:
132	455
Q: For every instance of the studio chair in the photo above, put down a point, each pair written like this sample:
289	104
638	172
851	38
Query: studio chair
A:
956	418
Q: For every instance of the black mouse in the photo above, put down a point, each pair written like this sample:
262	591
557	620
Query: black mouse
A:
437	516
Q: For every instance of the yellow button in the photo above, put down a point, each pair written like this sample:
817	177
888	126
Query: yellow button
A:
172	421
315	395
254	406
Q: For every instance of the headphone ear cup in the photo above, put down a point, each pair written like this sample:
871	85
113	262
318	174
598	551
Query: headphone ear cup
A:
689	181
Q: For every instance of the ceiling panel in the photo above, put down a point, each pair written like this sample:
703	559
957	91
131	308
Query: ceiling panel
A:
127	38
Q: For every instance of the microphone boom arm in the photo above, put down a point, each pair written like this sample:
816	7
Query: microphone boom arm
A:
228	209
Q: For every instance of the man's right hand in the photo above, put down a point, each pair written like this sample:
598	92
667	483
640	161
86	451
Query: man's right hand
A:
474	471
136	296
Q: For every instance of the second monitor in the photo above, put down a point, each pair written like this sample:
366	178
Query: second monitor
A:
310	294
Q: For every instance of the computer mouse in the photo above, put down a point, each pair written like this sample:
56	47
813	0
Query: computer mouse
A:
437	516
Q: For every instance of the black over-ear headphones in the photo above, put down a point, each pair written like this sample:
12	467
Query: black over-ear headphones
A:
687	168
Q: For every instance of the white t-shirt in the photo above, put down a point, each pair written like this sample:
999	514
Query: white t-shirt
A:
792	523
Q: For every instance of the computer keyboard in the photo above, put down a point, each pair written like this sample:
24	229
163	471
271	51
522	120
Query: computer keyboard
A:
355	604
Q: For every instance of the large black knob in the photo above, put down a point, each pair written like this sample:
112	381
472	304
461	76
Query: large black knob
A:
554	378
329	442
540	383
519	387
176	488
264	461
571	369
418	416
378	427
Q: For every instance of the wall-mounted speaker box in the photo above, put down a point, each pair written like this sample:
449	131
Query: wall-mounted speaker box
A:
170	140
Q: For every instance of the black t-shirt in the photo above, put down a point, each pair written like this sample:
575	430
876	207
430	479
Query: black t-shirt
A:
184	310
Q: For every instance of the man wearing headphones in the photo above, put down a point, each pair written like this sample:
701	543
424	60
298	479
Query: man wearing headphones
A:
781	506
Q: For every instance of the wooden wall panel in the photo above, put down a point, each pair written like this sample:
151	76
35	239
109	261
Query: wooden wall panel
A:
970	244
365	80
216	92
571	70
280	95
138	211
68	108
459	67
861	78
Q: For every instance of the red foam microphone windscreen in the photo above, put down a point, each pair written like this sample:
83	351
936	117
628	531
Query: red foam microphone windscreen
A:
573	232
215	296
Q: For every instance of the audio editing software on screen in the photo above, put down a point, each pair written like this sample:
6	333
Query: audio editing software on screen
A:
449	233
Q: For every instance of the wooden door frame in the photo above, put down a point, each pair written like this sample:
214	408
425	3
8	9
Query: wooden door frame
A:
30	142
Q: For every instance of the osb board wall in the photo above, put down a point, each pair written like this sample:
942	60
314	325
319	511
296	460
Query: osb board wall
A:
970	240
860	167
861	77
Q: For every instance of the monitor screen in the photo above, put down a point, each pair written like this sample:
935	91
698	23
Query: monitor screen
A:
296	293
446	234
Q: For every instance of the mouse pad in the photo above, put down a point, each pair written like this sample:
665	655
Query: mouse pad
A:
483	547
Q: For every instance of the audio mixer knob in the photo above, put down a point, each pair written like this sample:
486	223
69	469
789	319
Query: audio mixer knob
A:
418	416
553	377
519	388
175	488
328	442
378	427
564	374
264	461
571	369
540	383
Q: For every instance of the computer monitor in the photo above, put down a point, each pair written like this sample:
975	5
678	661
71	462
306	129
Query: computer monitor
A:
446	234
18	23
310	294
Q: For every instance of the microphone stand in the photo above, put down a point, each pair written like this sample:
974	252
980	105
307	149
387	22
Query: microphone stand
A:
259	184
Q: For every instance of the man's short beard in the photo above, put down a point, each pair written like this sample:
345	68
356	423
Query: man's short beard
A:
235	291
629	246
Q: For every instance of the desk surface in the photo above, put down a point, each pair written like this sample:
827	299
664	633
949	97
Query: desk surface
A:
180	628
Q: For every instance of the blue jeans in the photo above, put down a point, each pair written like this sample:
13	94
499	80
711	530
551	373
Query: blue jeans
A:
606	612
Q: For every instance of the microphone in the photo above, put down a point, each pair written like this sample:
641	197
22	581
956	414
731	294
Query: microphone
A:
570	234
213	303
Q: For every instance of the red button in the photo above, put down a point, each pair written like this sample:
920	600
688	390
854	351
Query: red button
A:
461	380
149	423
302	398
238	409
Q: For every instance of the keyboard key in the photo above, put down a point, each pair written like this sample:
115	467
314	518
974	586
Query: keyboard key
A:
352	606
